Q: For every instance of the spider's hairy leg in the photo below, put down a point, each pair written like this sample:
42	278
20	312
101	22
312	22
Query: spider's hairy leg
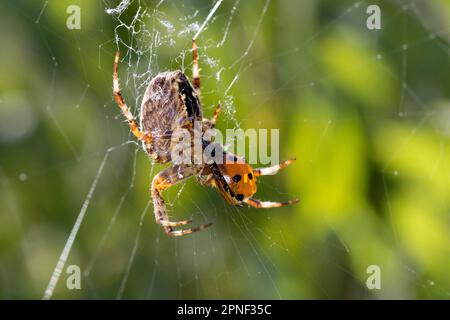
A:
216	114
162	181
123	106
272	170
195	69
268	171
268	204
211	123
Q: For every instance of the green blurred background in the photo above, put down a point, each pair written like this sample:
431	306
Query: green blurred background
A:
366	113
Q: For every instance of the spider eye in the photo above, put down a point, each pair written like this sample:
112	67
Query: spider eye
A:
237	178
240	197
250	176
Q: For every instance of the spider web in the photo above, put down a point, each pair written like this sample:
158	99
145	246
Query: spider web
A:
247	253
141	44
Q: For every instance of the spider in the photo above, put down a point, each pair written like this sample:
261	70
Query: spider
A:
171	102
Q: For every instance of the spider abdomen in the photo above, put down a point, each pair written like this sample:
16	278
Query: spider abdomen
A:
169	103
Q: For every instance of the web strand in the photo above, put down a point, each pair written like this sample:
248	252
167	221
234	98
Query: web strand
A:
68	246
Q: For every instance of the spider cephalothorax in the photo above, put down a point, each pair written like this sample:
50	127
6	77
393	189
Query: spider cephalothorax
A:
171	103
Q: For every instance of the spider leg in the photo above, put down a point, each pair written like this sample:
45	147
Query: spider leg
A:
272	170
268	204
195	69
216	114
166	223
177	233
162	181
123	106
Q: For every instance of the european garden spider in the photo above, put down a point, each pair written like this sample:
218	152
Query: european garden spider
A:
169	103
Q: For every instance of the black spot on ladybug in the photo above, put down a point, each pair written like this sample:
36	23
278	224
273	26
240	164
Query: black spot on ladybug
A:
237	178
240	197
250	176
